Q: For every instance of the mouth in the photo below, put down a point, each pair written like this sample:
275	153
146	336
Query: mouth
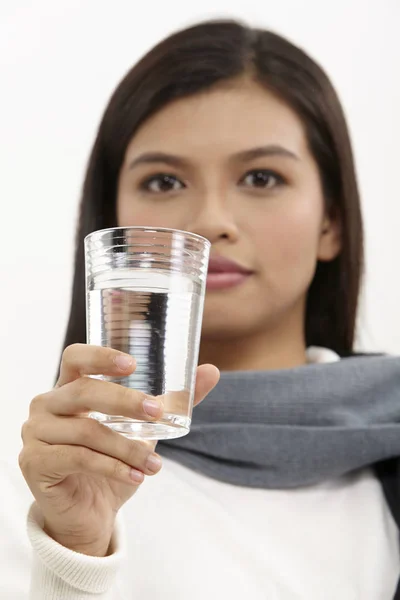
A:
224	273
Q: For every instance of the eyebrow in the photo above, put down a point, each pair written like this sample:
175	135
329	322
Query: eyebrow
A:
149	158
262	151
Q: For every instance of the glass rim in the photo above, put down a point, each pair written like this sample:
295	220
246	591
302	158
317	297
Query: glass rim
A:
148	229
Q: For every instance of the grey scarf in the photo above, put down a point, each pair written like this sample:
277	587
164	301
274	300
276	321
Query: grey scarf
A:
295	427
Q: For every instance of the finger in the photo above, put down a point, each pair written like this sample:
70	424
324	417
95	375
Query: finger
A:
85	395
84	359
49	465
95	436
206	379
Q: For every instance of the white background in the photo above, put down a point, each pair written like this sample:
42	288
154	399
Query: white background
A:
60	61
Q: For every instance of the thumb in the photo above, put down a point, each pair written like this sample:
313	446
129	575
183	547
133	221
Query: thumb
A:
206	379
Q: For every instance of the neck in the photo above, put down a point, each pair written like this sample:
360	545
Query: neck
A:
279	348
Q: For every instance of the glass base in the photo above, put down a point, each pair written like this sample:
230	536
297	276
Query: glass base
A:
170	427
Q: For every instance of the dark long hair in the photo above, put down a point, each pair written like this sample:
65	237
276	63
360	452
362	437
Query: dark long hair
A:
194	60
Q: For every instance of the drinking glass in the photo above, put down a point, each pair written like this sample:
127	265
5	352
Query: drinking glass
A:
145	292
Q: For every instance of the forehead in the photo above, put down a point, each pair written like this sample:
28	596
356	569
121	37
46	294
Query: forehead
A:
225	119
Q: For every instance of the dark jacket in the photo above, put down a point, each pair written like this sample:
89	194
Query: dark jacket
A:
388	473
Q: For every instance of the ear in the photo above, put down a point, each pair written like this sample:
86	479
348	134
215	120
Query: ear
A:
330	240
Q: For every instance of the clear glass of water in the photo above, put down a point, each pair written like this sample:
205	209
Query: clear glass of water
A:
145	292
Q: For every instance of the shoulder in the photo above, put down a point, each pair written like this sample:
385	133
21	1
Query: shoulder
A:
388	473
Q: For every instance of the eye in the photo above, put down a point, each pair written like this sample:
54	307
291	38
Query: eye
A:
262	179
161	183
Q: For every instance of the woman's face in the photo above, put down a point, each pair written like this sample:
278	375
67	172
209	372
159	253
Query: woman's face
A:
233	165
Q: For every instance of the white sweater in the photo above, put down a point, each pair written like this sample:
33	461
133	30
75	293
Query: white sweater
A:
184	536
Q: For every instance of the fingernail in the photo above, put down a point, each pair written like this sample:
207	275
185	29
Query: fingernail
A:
151	407
136	476
123	362
153	463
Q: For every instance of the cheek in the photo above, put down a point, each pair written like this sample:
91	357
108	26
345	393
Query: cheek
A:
287	244
129	213
132	216
133	212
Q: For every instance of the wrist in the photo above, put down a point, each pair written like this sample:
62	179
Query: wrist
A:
97	546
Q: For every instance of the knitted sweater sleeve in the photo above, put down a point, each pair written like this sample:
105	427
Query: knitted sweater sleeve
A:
58	572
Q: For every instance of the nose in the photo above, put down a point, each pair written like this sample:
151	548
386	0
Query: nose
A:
214	221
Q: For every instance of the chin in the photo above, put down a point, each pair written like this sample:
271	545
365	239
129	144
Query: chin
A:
225	326
247	318
228	316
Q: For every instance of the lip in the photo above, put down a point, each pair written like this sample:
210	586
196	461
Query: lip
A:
225	273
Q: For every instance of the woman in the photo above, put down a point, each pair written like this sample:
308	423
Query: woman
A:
236	135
